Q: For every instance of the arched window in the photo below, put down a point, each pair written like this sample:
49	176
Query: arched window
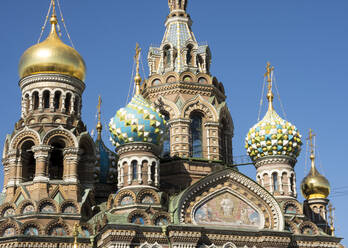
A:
275	181
153	171
28	161
189	55
56	100
196	133
76	104
166	136
56	165
35	100
67	102
46	99
134	165
292	183
166	58
27	102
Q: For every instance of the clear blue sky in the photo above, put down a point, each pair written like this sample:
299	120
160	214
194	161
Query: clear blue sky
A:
306	41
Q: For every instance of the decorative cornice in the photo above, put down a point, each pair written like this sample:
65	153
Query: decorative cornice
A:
137	146
275	159
42	77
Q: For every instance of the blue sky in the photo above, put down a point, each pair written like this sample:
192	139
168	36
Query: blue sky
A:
306	41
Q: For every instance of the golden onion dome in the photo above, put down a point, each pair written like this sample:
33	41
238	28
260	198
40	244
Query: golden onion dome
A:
315	185
52	56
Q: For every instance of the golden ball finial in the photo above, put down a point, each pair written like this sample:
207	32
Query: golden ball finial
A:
52	56
315	185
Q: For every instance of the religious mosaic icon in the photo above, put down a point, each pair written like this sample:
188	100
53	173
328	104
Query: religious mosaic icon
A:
9	212
10	231
70	209
31	231
28	209
227	209
127	200
148	199
58	231
47	208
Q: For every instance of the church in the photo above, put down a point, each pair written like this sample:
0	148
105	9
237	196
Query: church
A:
170	181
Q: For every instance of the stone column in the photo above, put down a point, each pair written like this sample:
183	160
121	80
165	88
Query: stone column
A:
211	140
157	173
52	102
140	172
71	160
72	104
179	140
11	182
41	155
62	104
40	102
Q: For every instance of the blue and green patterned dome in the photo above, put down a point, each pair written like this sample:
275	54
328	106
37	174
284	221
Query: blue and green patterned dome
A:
137	122
273	136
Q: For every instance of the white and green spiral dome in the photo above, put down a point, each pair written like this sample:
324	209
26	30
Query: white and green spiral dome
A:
273	136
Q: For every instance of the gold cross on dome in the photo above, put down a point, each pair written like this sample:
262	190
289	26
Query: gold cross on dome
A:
268	73
99	107
311	140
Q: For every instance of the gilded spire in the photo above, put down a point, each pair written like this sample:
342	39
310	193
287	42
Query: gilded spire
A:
269	75
99	125
311	144
53	20
76	234
177	5
137	77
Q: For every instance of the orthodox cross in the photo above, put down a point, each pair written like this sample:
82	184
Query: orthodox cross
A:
311	139
137	56
99	107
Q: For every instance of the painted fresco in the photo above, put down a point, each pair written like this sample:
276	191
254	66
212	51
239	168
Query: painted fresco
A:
228	210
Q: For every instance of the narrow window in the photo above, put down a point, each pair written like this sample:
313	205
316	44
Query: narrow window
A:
46	99
56	100
28	161
68	102
166	137
292	184
35	100
189	55
153	172
26	99
56	161
76	104
275	181
134	169
196	135
166	58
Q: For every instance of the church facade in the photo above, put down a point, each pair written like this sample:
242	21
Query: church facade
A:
171	181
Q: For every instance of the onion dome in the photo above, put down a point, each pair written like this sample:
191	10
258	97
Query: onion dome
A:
272	135
138	121
314	185
52	56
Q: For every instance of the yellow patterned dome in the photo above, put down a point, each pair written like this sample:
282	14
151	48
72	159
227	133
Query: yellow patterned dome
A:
52	56
315	185
272	135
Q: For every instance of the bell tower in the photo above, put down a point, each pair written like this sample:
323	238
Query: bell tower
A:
49	158
200	127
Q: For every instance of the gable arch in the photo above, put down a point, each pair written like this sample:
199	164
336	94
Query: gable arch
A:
63	134
26	134
245	192
199	104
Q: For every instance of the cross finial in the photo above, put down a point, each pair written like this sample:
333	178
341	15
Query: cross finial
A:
268	74
137	78
311	141
99	125
76	234
332	219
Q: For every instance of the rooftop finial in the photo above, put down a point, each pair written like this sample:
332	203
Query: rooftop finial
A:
269	75
137	77
53	19
177	5
99	125
312	146
76	234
